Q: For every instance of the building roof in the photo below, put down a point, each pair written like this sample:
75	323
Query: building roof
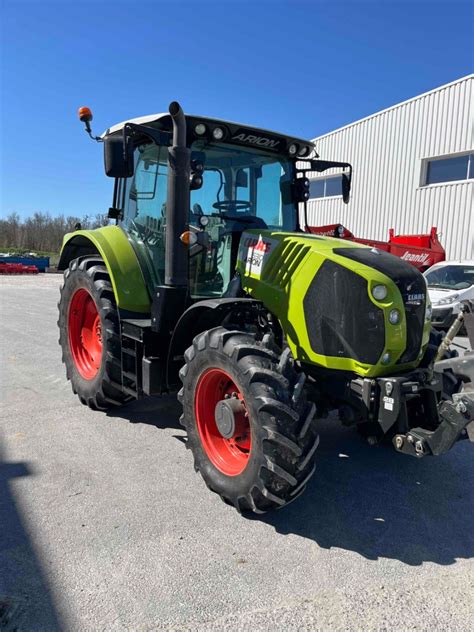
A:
397	105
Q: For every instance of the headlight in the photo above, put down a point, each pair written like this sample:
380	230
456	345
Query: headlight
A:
394	316
218	133
448	300
379	292
200	129
292	149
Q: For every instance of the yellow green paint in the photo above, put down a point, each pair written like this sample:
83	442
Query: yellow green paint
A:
122	264
284	280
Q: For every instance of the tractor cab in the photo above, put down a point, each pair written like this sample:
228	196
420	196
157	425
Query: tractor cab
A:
239	179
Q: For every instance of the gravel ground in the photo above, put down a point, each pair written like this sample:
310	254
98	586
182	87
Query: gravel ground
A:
105	526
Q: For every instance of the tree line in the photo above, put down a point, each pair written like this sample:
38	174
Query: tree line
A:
41	231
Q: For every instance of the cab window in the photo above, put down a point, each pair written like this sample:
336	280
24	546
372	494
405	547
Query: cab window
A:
145	208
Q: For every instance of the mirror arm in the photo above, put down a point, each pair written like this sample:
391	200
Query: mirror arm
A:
133	130
323	165
98	139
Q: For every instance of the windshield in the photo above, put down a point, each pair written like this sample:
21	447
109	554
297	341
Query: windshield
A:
451	277
244	184
242	188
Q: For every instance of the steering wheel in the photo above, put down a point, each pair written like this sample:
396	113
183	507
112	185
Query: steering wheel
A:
232	205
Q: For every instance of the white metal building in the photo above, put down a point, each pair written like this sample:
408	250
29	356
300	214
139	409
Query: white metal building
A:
413	169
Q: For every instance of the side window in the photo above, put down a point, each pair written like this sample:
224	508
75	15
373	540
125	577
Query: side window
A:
316	188
209	269
333	186
211	191
449	169
269	194
145	195
145	208
329	186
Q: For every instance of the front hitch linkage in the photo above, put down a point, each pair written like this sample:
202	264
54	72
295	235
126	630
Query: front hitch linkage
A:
457	417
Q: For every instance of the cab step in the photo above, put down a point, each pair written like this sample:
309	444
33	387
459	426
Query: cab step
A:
142	370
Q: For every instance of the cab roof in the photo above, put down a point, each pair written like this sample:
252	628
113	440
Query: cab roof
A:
162	116
140	120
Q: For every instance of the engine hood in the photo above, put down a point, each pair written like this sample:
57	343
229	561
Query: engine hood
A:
321	290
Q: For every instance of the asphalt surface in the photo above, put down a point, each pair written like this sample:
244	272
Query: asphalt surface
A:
104	524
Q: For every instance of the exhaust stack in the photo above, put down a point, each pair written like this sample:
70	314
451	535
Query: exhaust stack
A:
177	208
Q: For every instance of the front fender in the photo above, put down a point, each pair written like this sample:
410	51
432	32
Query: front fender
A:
126	276
198	317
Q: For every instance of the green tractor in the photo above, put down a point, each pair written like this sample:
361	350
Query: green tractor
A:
209	285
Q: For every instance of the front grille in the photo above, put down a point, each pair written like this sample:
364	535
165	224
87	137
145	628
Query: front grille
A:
411	284
415	318
341	320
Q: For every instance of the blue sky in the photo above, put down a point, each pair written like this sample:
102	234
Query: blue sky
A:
301	67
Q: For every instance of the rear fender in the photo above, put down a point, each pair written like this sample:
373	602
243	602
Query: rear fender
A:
111	243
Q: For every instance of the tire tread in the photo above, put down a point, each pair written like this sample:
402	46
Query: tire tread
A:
109	393
286	419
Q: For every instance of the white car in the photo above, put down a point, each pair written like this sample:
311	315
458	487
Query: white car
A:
449	283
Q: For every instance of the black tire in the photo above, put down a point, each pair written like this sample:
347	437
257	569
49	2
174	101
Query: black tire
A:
283	437
104	390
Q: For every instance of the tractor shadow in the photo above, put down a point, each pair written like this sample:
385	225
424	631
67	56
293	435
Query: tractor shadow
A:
379	503
161	412
370	500
26	601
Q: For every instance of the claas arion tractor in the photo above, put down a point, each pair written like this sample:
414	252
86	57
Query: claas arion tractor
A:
210	286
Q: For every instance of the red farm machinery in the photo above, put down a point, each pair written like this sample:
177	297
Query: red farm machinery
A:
422	251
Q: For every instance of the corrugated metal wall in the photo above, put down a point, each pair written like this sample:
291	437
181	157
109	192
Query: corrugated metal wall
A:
386	151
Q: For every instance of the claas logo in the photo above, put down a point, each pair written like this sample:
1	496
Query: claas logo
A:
258	244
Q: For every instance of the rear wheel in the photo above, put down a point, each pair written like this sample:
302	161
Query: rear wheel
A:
249	426
89	334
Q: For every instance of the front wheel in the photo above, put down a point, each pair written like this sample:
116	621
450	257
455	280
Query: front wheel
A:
249	426
89	334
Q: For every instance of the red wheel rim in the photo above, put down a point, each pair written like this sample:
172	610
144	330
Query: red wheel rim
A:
230	456
85	334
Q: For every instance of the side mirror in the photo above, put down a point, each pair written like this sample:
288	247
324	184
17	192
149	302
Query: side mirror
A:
346	186
323	165
118	157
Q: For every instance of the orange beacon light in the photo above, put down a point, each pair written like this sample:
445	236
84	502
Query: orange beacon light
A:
85	115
